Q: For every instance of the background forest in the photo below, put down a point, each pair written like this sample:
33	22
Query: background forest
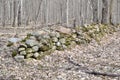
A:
64	12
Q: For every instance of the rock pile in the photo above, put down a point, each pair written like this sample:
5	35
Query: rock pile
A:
38	44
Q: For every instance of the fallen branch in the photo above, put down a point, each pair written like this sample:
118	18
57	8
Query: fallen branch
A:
86	70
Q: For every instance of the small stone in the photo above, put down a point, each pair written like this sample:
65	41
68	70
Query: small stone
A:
73	31
32	38
74	35
29	55
45	41
19	58
46	36
62	40
44	48
54	48
58	44
21	49
36	34
36	55
79	32
35	48
57	34
55	39
39	44
64	46
52	34
39	38
23	53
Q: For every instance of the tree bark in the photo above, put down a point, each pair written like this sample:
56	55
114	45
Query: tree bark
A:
110	12
95	10
14	13
105	12
19	14
3	13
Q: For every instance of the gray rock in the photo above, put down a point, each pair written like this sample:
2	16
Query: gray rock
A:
14	40
31	42
52	34
55	39
62	40
57	34
36	34
35	48
46	36
39	45
36	55
23	53
32	38
19	58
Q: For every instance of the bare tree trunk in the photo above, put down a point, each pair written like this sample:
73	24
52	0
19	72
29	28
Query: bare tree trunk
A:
95	10
46	13
3	13
67	12
110	12
38	11
14	13
19	14
105	12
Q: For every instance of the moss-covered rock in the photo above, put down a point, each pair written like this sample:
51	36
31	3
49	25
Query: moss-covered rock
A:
21	49
14	53
23	53
9	44
22	45
30	55
29	50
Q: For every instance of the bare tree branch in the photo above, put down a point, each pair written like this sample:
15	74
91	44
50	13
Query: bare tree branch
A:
86	70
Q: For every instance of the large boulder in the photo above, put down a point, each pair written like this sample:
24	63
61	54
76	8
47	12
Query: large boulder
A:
64	30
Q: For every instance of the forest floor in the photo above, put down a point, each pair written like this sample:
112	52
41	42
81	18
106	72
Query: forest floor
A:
72	64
